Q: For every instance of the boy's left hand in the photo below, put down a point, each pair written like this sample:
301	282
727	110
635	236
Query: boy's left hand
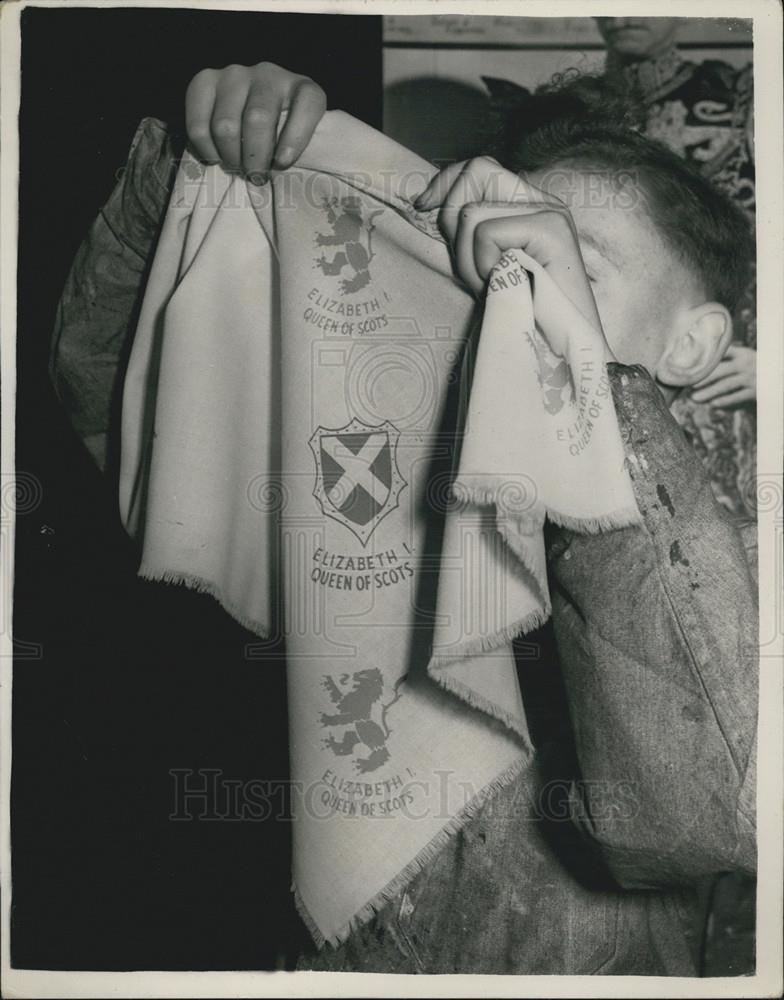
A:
486	210
733	381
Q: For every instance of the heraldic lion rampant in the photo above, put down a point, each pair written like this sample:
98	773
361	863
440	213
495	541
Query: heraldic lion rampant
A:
361	711
345	217
553	374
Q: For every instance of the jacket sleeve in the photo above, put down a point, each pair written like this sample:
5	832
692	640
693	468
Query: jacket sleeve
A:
97	311
657	633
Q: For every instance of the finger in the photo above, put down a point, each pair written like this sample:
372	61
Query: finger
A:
475	219
484	180
500	229
720	388
439	186
226	122
492	238
557	315
199	102
305	112
735	398
543	234
259	131
480	179
529	227
722	370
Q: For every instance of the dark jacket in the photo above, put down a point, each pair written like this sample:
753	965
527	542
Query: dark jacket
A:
641	699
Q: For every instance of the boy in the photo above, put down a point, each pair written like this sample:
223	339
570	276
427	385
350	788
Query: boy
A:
643	780
703	112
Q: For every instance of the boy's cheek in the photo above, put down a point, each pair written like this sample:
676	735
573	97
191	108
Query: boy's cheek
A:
633	325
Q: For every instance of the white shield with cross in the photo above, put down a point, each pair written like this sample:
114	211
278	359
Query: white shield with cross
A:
357	479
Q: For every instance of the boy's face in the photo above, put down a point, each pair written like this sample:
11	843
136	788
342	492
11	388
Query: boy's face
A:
638	284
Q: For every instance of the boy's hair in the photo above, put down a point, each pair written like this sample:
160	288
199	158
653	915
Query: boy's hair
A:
585	122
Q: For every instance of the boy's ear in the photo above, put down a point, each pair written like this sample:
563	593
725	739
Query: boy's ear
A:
696	345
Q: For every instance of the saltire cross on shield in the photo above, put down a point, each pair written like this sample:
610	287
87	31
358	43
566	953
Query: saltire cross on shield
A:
357	479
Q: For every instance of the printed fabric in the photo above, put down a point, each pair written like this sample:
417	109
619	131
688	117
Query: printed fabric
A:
317	432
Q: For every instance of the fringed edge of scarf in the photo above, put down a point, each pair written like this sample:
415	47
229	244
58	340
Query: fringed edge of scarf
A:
624	517
468	695
417	863
488	495
438	668
512	529
203	586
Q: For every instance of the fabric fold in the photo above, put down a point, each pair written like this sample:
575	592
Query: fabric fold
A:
540	440
293	444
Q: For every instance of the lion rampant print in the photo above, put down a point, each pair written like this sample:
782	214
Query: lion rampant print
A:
361	713
348	229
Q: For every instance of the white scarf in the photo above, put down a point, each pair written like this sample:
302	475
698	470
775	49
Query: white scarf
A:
287	444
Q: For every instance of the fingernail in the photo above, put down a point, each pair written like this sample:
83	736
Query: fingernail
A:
285	157
258	177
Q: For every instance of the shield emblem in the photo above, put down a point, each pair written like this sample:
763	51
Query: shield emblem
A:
357	479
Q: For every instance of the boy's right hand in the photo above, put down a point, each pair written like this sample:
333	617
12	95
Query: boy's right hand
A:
486	210
232	117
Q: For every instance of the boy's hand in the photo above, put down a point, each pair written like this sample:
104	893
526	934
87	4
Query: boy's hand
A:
733	381
232	116
485	211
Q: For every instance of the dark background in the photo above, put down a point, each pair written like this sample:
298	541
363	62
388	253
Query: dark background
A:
117	681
